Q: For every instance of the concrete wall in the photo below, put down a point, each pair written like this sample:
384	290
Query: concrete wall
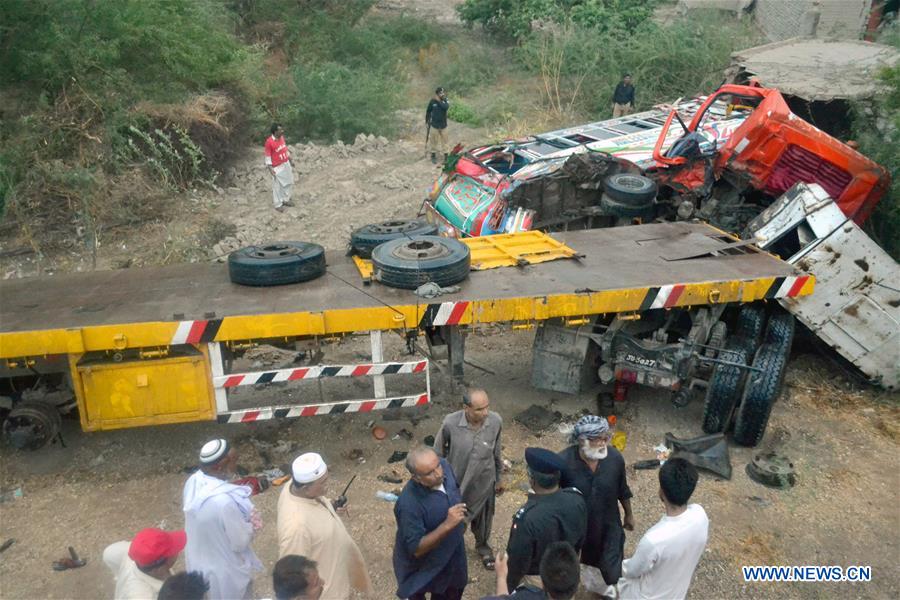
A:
783	19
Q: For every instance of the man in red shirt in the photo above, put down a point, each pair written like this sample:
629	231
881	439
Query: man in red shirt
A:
279	163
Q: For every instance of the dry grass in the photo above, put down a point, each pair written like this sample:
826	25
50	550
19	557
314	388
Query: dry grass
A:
210	109
757	549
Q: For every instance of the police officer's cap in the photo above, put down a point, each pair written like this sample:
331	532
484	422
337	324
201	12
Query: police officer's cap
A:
544	461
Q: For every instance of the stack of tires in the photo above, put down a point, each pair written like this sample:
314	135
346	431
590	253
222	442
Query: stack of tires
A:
744	397
627	197
408	254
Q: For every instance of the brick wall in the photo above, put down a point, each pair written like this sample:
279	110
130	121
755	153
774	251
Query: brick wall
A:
783	19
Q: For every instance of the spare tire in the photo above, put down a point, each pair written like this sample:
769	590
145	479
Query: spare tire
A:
276	263
364	239
409	263
625	210
633	190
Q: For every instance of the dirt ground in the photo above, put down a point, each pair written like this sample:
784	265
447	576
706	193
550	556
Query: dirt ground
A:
105	486
843	511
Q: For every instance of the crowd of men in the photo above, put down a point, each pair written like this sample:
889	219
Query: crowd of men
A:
569	533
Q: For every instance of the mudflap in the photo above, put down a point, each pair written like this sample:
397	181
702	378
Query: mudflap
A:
564	359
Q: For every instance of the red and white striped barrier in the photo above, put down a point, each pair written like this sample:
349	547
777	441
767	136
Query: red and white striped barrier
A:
310	410
317	372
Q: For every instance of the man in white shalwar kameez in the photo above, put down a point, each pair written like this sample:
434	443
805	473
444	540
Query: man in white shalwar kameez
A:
309	526
220	522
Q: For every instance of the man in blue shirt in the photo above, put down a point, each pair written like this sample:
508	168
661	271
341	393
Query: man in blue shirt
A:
429	550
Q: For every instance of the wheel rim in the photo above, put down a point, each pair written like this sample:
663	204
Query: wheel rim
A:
421	250
274	251
30	428
632	182
394	227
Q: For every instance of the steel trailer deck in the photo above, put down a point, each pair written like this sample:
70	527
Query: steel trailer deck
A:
625	269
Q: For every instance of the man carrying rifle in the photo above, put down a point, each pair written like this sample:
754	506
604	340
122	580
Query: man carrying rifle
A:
436	124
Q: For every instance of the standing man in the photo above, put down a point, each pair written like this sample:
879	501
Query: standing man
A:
220	522
550	515
623	97
470	441
436	122
297	578
309	526
429	550
598	471
142	565
280	165
667	555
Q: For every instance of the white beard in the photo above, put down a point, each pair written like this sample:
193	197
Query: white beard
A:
593	454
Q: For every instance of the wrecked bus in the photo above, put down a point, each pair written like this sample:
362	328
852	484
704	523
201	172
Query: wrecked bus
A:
721	158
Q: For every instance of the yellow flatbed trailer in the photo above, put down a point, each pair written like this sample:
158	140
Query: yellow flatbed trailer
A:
155	335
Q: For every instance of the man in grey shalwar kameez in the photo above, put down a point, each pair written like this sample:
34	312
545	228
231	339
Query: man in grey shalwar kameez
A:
470	441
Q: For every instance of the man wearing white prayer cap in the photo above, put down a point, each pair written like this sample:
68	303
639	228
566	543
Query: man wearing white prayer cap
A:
309	526
220	522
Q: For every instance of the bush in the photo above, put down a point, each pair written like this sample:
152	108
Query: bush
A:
877	129
515	18
467	69
463	113
78	69
580	67
338	101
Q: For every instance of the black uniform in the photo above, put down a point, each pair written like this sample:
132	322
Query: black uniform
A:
603	489
557	517
436	113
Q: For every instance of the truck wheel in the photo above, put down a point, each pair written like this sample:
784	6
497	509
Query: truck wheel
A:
725	386
631	190
625	210
276	263
780	330
31	425
751	322
407	264
760	393
364	239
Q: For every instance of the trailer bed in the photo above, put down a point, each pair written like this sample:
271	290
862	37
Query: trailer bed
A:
624	269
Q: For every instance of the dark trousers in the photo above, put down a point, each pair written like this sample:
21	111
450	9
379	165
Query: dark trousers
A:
481	527
448	594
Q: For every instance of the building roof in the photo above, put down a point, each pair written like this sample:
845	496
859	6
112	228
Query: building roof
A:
818	69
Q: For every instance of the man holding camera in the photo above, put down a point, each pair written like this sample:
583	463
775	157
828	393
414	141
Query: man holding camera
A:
436	123
308	525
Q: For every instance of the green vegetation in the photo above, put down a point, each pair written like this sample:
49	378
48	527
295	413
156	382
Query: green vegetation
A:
95	97
516	18
877	129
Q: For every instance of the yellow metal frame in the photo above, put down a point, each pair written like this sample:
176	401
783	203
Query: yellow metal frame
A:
501	250
515	249
405	316
89	406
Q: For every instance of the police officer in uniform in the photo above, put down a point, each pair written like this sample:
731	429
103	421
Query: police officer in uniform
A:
550	515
